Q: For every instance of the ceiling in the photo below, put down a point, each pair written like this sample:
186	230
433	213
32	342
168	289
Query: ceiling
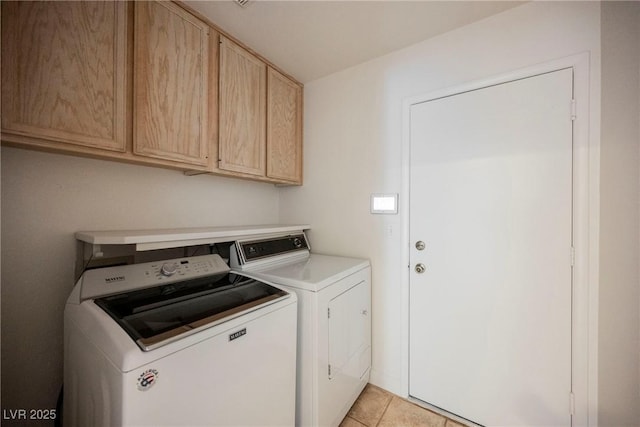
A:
311	39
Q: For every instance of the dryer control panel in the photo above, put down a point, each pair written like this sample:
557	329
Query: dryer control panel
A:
269	249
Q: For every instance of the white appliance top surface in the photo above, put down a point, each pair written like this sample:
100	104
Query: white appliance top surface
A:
312	274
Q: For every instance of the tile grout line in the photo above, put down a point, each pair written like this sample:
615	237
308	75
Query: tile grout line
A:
384	412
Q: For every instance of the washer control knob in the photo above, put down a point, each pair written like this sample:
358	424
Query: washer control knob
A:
169	268
297	242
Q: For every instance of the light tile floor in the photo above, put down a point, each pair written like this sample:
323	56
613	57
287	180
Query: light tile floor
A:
376	407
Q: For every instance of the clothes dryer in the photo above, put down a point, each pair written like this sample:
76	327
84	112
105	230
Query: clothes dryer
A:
334	320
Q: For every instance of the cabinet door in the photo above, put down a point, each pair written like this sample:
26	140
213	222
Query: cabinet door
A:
63	73
284	128
170	84
242	127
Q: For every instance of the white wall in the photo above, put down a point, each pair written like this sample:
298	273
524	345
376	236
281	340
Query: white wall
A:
48	197
353	135
619	344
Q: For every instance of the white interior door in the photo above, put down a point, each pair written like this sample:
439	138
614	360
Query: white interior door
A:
491	198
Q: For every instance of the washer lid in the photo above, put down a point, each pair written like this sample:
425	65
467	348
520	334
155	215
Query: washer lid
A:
312	274
157	316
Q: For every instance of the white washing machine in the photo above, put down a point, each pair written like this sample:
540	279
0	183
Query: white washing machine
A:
334	321
183	342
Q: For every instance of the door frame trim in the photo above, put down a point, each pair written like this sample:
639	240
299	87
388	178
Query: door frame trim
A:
586	198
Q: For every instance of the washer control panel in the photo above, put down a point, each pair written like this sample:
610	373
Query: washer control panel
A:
112	280
183	268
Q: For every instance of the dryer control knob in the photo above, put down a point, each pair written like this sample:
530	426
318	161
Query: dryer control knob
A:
169	268
297	242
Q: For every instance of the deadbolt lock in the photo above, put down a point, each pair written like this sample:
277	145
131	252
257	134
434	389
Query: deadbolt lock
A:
420	245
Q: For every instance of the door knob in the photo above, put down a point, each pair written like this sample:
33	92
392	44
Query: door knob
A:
420	245
420	268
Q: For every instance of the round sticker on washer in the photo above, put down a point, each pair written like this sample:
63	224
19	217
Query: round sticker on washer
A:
147	379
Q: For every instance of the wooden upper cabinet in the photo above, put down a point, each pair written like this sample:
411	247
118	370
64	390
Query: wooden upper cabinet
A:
242	110
63	74
170	84
284	128
146	82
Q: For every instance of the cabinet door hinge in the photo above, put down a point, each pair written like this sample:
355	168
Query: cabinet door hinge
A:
573	109
572	399
573	256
